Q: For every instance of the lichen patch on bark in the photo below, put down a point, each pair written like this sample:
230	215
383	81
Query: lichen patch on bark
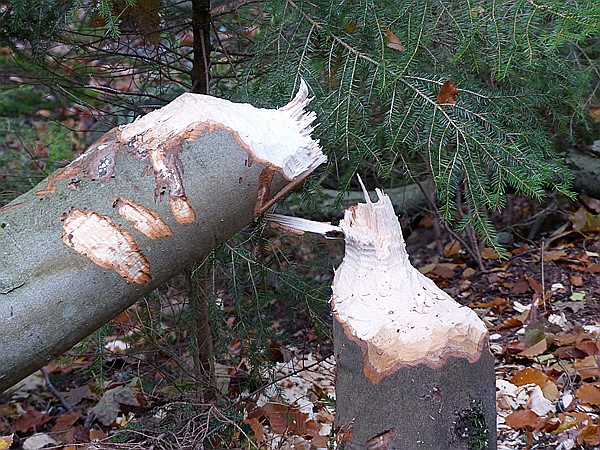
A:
396	315
147	222
106	244
102	157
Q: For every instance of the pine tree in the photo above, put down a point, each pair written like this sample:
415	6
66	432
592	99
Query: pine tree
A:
522	72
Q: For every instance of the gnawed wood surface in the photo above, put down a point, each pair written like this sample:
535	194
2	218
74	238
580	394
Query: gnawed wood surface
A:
142	203
413	365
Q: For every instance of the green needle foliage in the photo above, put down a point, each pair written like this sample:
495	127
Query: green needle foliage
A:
522	72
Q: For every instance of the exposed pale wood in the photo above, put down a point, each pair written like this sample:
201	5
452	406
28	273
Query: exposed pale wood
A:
142	203
410	358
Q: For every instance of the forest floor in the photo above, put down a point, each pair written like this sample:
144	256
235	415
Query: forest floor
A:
128	387
134	385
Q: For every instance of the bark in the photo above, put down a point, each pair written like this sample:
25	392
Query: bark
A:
201	334
141	204
202	47
413	366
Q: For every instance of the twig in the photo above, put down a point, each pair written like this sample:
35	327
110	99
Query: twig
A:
57	394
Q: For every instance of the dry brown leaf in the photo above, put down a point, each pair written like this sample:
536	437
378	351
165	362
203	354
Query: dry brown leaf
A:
528	376
30	420
589	435
589	393
588	347
587	367
510	322
524	419
520	287
576	280
498	305
468	272
392	41
444	270
427	268
535	350
594	113
350	27
452	248
554	255
585	221
446	95
550	391
487	252
535	285
257	428
97	434
515	347
66	421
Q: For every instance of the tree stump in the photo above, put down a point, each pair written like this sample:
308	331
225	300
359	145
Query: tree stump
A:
413	366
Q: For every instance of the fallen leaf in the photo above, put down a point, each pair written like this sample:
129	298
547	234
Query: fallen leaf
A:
392	41
30	420
38	441
587	367
520	287
589	435
66	421
515	347
427	268
444	270
446	95
554	255
257	429
510	322
550	391
537	287
524	419
589	393
109	406
97	434
588	347
350	27
498	305
535	350
468	272
576	280
529	376
452	248
75	396
6	441
487	252
577	296
584	221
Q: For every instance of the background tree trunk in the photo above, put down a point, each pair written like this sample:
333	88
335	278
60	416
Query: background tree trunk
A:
143	203
202	47
413	366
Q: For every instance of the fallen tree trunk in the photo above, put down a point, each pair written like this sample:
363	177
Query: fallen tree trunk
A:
142	203
413	366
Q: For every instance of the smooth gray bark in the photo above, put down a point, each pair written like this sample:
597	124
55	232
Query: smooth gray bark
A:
204	181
